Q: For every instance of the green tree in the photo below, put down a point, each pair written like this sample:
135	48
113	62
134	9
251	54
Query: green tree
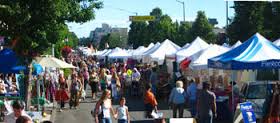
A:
202	28
137	34
183	35
117	40
268	20
248	20
153	35
161	28
33	25
276	20
104	41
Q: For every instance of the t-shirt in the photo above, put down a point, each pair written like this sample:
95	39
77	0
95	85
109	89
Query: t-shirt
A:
10	118
205	99
192	91
150	98
106	105
122	112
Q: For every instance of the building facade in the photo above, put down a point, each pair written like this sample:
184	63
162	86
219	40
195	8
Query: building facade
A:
97	34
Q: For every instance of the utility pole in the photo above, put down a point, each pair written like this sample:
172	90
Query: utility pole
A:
227	14
183	3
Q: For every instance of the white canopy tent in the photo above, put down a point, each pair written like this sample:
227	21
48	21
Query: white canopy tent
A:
277	42
197	45
144	56
100	52
103	55
150	45
137	53
118	53
236	44
53	62
166	48
186	45
199	60
226	45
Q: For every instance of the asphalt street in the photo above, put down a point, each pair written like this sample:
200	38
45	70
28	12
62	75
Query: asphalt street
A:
135	106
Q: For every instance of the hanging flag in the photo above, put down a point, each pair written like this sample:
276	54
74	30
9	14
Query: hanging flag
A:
185	63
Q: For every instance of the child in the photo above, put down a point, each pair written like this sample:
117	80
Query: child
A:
122	112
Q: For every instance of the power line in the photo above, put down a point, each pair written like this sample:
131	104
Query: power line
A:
120	9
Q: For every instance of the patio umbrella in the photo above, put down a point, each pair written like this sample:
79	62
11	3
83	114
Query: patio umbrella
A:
54	62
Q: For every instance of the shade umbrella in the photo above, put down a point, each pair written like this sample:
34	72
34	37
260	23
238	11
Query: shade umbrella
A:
54	62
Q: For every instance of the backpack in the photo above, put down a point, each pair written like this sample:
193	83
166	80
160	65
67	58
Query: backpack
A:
100	113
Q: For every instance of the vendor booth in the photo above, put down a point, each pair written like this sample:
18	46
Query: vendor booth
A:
256	53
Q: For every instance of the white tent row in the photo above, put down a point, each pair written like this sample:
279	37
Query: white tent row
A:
118	53
166	50
137	53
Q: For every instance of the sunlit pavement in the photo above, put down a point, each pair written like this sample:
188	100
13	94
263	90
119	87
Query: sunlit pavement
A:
135	105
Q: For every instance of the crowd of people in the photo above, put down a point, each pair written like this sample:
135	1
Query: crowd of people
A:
116	81
8	84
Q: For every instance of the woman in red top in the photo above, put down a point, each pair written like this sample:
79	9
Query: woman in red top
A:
61	95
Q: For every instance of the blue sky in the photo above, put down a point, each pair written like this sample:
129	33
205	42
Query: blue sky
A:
116	12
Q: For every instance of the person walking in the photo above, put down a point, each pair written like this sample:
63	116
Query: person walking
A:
122	113
114	82
103	79
135	82
94	82
191	95
154	79
206	104
177	99
86	77
61	94
103	108
74	90
150	102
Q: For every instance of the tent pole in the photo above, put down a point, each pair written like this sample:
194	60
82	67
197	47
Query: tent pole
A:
232	94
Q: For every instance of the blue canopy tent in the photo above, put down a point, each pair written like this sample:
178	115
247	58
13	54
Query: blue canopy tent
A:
255	53
7	57
8	64
9	61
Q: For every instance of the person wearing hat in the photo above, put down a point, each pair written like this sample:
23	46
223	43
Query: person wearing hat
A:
206	104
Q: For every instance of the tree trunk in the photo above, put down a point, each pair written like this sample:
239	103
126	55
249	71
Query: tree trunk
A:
28	87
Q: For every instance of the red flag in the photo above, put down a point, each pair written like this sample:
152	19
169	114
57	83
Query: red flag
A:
185	63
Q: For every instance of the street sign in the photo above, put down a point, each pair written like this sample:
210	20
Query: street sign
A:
142	18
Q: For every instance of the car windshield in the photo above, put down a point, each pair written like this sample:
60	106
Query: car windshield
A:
257	91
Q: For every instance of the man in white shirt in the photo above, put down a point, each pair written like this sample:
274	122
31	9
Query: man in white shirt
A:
18	110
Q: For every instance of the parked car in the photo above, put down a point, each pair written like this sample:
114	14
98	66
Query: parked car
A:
258	93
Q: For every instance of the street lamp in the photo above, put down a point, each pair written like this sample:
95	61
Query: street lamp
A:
183	3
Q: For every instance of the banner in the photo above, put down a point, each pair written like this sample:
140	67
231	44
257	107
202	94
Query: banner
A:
247	111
